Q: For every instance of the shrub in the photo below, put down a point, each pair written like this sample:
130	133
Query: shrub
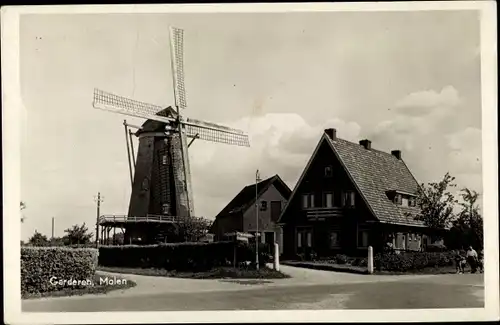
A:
362	262
341	259
411	261
181	256
436	248
41	264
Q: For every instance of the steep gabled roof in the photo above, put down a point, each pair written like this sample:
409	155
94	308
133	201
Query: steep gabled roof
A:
373	173
246	197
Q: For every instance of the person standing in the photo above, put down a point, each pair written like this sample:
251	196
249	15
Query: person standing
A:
472	259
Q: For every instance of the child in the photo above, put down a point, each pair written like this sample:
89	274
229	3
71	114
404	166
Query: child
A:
460	262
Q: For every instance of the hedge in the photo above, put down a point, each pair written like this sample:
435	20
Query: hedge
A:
411	261
180	256
42	265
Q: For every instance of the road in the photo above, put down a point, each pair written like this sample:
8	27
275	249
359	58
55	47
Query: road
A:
307	289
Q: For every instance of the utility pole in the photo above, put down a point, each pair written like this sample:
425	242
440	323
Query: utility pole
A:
257	180
98	199
52	228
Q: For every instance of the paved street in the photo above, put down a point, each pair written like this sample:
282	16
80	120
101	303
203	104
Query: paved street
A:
308	289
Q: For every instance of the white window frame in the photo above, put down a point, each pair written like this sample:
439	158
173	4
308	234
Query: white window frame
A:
309	238
299	239
307	201
348	199
405	201
325	197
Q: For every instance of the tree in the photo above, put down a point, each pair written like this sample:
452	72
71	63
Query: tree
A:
467	229
38	239
77	235
436	203
192	229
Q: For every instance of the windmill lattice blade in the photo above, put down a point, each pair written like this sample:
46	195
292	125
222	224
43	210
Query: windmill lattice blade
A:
111	102
211	125
217	135
177	48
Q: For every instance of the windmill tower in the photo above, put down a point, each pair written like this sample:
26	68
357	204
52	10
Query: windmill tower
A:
162	180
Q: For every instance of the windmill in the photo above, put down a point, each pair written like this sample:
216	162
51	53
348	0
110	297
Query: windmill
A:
161	184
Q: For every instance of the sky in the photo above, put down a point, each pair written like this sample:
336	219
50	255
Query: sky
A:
404	80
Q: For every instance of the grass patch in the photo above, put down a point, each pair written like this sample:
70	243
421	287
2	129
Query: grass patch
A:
216	273
96	288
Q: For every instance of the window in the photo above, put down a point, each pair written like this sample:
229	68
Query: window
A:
404	201
164	159
328	171
299	239
412	201
363	238
410	237
309	239
328	200
334	239
275	210
348	198
263	205
307	201
397	199
166	208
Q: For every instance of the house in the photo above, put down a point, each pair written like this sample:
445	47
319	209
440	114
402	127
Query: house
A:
240	215
351	196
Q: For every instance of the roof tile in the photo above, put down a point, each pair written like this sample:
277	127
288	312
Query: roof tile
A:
376	172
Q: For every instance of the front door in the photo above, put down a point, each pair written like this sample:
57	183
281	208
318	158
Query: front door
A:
303	240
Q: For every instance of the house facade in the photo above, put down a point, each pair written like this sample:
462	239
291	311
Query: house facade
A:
240	214
351	196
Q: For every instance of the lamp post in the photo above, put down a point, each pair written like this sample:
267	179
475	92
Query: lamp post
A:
257	180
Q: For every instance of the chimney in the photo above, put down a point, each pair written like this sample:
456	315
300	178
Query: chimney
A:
396	153
332	134
366	143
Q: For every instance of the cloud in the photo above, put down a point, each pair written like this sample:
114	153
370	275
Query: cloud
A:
280	144
425	102
434	138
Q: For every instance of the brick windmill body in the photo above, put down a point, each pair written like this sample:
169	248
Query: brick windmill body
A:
162	195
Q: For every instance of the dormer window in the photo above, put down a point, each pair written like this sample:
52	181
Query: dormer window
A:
403	199
328	171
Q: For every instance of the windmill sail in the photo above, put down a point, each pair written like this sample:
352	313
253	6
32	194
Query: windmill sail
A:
177	57
118	104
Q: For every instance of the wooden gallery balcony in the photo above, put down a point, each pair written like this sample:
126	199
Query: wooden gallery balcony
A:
324	213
